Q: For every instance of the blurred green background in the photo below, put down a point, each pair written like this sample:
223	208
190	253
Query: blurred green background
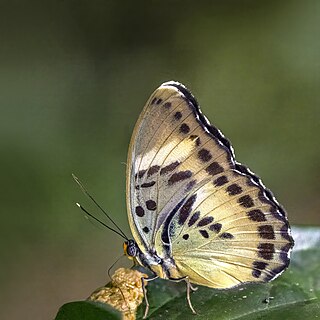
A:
74	76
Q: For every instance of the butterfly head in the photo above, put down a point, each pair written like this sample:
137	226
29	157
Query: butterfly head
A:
130	249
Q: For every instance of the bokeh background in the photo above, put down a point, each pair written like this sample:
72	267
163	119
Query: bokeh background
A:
74	76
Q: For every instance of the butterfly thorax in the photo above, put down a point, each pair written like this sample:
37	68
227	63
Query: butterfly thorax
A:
163	267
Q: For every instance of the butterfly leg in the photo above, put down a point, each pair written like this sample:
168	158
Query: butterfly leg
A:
145	294
192	287
189	287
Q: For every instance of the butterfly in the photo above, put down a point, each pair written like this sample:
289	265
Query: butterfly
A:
196	214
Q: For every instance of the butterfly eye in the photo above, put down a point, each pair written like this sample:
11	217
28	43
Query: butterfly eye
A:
130	248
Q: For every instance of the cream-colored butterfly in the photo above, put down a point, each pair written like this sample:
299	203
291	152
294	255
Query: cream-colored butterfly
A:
195	213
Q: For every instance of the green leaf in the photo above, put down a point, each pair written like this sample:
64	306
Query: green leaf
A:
87	310
295	294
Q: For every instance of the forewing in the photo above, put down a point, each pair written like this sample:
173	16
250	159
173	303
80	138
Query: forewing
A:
163	161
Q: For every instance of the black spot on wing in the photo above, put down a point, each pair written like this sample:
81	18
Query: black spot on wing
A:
185	210
148	184
167	105
139	211
204	233
185	236
204	221
266	250
151	205
256	273
184	128
234	189
266	232
220	181
226	235
214	168
141	173
179	176
216	227
159	101
178	115
170	167
194	218
204	155
256	215
284	258
154	100
196	139
246	201
146	230
258	266
152	170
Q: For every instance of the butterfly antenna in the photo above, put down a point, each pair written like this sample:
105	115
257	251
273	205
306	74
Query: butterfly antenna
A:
84	190
98	220
109	270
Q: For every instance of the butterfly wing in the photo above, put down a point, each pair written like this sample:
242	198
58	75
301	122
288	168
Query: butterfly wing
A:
190	200
157	157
